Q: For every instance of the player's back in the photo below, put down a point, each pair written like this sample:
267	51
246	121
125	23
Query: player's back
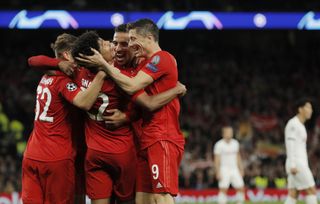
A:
296	132
99	135
162	124
228	152
51	138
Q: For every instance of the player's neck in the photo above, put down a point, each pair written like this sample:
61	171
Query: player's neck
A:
154	48
227	140
301	118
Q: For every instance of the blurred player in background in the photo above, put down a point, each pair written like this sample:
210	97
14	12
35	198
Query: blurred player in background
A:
48	171
228	166
300	177
161	141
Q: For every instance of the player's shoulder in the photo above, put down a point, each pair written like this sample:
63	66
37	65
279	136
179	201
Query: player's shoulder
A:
234	141
219	143
292	122
162	57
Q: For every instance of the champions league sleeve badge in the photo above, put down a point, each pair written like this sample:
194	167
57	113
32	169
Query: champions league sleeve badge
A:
71	86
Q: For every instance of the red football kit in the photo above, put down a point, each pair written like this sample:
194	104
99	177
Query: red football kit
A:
42	62
111	157
48	164
161	141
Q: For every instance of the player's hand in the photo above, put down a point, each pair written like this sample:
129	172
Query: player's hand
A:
181	89
96	59
115	120
294	171
67	67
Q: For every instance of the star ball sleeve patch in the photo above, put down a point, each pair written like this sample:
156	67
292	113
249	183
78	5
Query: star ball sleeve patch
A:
71	86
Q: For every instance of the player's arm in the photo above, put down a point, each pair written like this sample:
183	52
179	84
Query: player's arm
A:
129	85
154	102
45	63
217	163
85	99
290	140
240	164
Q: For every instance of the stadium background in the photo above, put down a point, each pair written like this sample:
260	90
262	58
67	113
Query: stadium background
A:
250	78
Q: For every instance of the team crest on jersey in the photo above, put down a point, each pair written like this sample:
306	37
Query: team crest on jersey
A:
71	86
155	60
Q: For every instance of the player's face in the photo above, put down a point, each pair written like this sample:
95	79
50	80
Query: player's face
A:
227	133
105	49
137	43
120	46
307	110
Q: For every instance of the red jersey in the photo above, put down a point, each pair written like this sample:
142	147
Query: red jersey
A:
100	136
51	138
42	62
162	124
134	110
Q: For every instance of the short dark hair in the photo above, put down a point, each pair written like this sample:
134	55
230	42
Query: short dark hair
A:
301	102
84	43
144	27
64	42
121	28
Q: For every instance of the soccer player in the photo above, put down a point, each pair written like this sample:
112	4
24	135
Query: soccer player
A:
161	141
300	177
228	166
48	163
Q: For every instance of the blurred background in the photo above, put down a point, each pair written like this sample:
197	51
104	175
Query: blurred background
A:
240	70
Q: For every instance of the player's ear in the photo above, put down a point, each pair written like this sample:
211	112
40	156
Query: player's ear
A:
67	55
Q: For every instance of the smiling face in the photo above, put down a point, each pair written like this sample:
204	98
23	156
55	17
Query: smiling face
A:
122	53
137	43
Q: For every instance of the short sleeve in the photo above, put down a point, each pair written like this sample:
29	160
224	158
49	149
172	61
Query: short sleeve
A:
68	89
159	65
217	149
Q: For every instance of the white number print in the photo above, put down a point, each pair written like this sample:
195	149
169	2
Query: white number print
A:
155	171
43	115
102	108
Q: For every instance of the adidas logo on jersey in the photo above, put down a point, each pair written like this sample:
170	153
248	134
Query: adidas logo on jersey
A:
159	185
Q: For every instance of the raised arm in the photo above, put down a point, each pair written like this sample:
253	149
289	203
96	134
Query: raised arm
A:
154	102
45	63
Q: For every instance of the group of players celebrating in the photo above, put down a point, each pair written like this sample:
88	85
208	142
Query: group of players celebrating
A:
126	146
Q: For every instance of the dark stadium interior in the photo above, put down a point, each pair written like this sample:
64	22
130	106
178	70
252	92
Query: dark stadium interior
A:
238	77
186	5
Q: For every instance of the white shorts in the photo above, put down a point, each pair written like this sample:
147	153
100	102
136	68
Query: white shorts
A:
231	176
302	180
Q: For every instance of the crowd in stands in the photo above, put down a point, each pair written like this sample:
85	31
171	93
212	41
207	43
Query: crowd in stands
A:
248	79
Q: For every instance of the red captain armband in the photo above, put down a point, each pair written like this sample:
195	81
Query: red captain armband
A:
44	62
